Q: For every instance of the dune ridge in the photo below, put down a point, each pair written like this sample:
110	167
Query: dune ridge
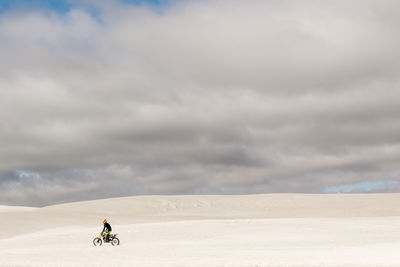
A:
139	209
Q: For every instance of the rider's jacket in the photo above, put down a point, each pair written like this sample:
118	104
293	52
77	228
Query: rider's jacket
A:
107	227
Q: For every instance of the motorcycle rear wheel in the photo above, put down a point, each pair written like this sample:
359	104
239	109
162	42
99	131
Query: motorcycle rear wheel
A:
115	241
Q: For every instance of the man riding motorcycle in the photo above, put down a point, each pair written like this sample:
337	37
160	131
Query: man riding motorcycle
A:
106	230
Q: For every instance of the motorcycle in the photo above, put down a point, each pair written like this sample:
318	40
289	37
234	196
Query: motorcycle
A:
112	238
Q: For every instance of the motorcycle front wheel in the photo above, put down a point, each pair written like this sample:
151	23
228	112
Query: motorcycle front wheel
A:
97	241
115	241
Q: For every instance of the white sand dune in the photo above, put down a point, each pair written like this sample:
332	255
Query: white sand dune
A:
250	230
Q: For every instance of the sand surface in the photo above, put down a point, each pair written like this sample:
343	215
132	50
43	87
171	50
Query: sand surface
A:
252	230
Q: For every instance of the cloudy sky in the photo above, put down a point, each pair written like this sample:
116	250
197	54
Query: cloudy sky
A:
116	98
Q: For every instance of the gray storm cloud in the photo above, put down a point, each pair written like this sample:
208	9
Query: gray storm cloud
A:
198	97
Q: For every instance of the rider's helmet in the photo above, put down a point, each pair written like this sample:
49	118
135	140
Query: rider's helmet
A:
104	221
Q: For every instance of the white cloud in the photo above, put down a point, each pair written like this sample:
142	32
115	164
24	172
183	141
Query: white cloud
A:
202	96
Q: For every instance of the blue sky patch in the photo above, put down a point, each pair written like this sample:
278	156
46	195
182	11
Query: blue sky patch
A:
64	6
362	187
57	5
